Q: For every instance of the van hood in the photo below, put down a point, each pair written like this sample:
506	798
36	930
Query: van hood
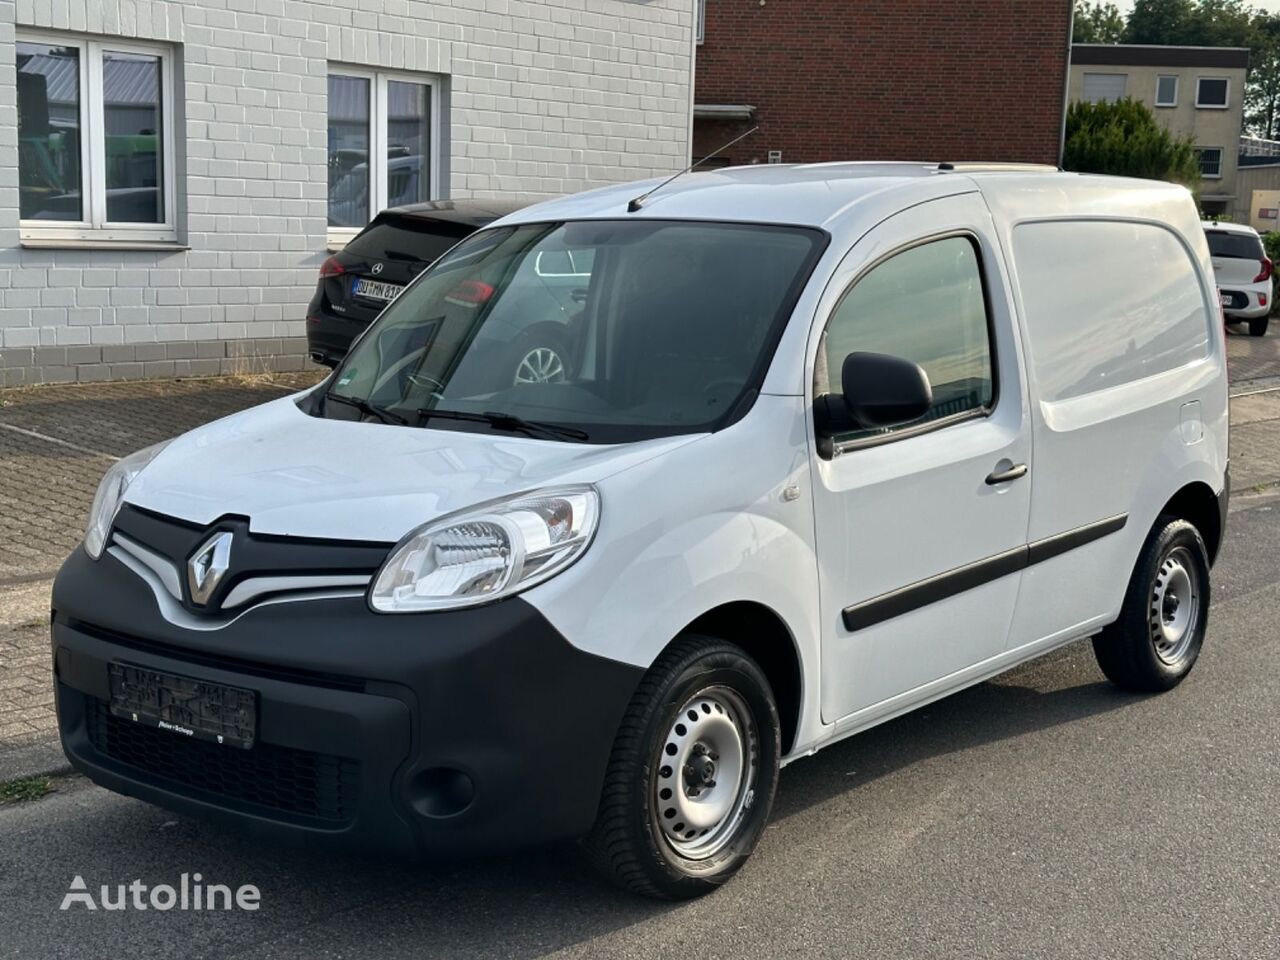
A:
296	475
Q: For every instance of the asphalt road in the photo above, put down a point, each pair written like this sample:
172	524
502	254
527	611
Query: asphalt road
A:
1044	814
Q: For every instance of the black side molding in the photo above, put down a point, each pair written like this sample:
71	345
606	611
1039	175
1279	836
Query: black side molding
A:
944	585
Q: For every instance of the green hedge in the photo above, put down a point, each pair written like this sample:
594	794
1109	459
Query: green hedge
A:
1124	139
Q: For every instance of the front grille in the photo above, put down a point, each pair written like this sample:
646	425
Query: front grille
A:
302	784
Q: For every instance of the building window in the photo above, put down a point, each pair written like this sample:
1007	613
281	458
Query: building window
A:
699	20
1210	162
95	140
1104	87
1213	93
382	145
1166	91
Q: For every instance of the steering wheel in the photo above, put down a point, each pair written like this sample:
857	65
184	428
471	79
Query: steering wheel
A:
422	380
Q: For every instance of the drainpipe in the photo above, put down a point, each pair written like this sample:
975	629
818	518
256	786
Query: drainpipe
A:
1066	83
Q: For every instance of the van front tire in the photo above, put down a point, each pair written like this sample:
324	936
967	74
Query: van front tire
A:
692	776
1160	632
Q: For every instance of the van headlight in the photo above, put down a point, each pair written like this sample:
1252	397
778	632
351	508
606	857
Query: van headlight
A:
106	502
487	553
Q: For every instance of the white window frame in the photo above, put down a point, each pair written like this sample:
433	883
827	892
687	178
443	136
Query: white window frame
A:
93	147
699	21
1221	157
1226	105
378	121
1177	84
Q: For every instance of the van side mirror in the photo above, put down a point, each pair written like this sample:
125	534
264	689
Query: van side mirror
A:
877	391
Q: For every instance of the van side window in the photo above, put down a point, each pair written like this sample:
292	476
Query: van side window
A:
1107	303
926	305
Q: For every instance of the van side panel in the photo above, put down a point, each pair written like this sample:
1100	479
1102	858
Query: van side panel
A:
1124	345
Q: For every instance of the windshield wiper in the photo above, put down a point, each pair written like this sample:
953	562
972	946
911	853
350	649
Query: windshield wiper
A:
506	421
367	408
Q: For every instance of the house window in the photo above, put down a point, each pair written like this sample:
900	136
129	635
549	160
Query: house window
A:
1210	162
382	145
1166	91
1213	93
699	20
1104	87
95	140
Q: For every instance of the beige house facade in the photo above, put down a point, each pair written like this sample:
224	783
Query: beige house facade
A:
1194	91
1258	205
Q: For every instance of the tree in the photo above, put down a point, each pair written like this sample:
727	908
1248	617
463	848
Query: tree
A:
1262	95
1162	21
1097	23
1223	23
1124	139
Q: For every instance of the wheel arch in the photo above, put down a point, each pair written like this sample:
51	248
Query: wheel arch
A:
767	639
1198	505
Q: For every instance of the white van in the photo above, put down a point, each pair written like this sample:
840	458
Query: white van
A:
830	442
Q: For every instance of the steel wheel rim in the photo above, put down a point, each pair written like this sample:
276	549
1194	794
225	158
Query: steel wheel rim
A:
706	773
1175	607
540	365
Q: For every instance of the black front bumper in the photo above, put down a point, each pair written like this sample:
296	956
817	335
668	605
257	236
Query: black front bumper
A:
448	733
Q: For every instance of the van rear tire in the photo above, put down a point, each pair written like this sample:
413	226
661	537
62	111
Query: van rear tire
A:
1160	632
693	773
1258	326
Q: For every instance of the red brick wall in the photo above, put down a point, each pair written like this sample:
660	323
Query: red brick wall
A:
886	79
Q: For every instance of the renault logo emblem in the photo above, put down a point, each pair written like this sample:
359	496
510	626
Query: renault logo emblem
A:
376	269
208	566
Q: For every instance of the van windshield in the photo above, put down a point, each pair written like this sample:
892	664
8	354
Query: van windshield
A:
593	331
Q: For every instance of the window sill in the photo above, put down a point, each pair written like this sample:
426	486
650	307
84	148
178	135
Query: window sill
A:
1213	106
73	243
335	240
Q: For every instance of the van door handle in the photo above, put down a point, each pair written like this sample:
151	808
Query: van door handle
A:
1005	476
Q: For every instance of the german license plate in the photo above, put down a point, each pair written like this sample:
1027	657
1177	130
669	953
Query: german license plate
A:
1227	299
375	289
185	707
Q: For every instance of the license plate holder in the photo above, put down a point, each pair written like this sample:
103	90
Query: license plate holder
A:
375	289
195	709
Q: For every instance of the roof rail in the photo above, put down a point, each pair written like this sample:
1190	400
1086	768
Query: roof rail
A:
998	168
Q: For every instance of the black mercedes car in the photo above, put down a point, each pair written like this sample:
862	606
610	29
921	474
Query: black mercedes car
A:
371	270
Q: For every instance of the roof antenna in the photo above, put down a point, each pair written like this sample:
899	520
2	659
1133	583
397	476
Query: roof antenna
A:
638	202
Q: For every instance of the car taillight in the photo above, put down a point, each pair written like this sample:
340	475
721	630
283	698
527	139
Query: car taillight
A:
332	268
470	293
1266	271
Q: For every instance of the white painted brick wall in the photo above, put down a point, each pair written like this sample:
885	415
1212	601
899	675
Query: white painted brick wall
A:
547	97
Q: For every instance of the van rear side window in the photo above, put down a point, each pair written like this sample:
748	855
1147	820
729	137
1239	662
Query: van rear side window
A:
1107	303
